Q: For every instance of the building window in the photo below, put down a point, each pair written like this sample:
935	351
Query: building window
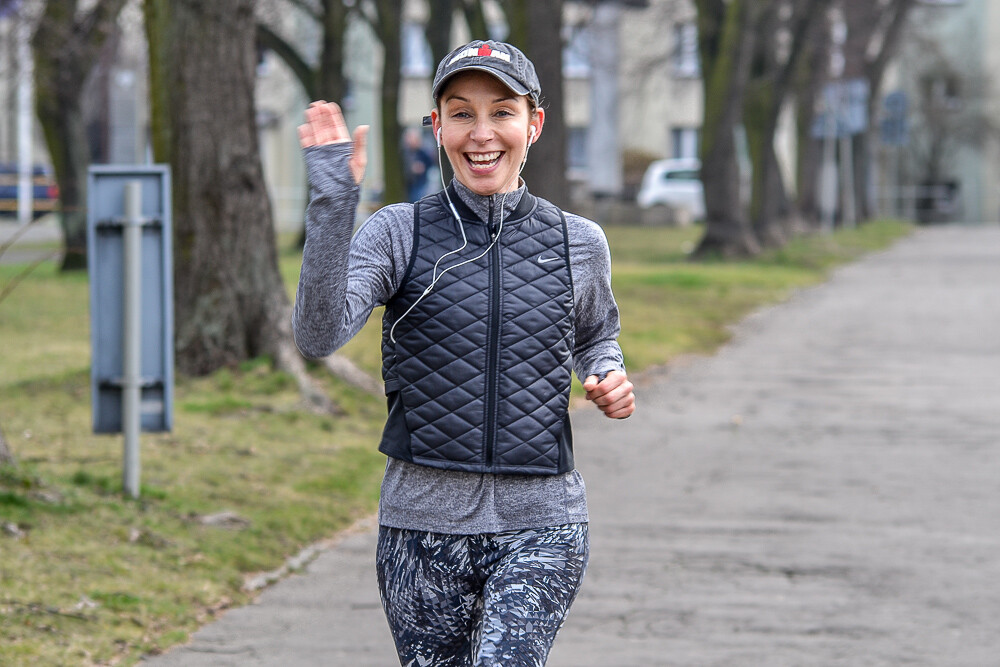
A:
685	142
576	148
687	64
416	56
576	53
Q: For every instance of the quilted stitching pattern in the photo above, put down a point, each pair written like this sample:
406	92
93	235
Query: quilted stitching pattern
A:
440	356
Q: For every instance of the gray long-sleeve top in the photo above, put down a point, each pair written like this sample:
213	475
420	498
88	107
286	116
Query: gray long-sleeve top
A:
344	279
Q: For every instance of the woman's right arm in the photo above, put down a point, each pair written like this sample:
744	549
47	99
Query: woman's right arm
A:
343	279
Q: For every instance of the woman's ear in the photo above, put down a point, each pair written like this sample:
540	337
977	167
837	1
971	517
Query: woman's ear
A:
436	126
536	123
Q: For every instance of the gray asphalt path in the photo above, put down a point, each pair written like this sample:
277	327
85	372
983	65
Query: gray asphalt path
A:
824	491
33	243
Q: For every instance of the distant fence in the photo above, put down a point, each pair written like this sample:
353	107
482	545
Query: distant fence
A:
924	203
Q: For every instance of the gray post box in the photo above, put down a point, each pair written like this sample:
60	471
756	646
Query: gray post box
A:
106	223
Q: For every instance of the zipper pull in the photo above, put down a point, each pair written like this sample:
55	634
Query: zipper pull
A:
492	225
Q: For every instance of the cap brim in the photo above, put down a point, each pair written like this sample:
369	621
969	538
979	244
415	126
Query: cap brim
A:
514	86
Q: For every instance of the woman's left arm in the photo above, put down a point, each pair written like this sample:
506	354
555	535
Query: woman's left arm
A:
597	357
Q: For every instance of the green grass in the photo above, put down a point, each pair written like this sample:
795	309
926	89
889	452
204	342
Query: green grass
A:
671	306
98	579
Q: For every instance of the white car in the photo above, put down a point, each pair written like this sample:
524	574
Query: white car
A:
675	183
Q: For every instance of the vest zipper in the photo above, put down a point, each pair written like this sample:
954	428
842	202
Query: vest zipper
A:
493	343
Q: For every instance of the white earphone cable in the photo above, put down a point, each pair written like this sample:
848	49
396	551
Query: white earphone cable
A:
435	276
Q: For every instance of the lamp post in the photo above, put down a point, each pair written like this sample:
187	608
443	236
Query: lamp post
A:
833	102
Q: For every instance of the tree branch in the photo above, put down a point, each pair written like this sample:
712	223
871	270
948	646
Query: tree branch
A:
803	33
24	273
291	57
307	8
476	18
876	66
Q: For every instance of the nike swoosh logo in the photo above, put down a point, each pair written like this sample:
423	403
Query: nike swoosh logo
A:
546	260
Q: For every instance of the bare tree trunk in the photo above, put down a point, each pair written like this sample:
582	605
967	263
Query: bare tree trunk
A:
66	45
767	93
809	84
475	16
545	172
536	29
874	31
387	27
438	27
726	39
230	304
332	81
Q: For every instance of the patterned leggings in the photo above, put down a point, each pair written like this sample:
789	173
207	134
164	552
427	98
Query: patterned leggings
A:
478	600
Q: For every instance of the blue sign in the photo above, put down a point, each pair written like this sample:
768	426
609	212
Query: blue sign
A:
896	103
844	109
895	128
895	131
105	247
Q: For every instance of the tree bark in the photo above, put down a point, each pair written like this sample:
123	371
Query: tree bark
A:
726	42
536	29
387	27
871	24
307	76
809	81
438	28
475	17
768	92
332	82
230	304
66	44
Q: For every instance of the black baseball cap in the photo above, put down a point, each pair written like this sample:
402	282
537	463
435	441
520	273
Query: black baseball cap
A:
500	59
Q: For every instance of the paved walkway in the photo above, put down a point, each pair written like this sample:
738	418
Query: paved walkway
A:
824	491
34	243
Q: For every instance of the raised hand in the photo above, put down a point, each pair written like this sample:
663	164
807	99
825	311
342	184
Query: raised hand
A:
325	125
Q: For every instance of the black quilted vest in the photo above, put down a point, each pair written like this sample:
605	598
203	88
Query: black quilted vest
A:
478	377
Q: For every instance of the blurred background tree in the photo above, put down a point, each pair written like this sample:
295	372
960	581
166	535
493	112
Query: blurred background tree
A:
66	45
230	302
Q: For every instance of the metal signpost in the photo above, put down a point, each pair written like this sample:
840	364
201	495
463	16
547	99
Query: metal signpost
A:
131	305
844	114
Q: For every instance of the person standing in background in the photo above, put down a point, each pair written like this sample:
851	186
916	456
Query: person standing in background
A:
418	164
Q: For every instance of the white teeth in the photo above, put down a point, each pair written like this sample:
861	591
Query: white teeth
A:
484	157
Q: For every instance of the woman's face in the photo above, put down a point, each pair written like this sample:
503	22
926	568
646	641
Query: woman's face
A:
484	131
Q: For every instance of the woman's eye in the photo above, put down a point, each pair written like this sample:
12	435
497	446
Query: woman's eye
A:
504	113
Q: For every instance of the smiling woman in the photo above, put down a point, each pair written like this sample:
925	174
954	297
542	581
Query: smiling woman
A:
493	298
486	131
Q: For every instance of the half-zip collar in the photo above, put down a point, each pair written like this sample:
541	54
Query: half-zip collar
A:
479	206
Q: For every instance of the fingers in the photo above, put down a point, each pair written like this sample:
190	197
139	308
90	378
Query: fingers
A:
324	125
306	136
613	395
621	409
359	155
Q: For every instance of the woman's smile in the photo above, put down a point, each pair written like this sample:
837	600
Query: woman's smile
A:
484	130
484	162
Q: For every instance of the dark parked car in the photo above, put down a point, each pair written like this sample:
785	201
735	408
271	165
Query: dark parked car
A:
45	192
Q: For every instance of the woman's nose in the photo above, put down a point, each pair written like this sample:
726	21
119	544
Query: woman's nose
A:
482	132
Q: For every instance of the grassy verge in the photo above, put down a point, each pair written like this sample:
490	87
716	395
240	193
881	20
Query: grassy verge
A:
670	306
90	578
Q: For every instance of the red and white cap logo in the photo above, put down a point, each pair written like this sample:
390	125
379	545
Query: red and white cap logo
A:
484	51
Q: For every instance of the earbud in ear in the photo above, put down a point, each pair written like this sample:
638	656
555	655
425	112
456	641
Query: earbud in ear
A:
439	137
531	134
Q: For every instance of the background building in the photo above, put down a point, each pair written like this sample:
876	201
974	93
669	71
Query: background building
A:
949	165
633	93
